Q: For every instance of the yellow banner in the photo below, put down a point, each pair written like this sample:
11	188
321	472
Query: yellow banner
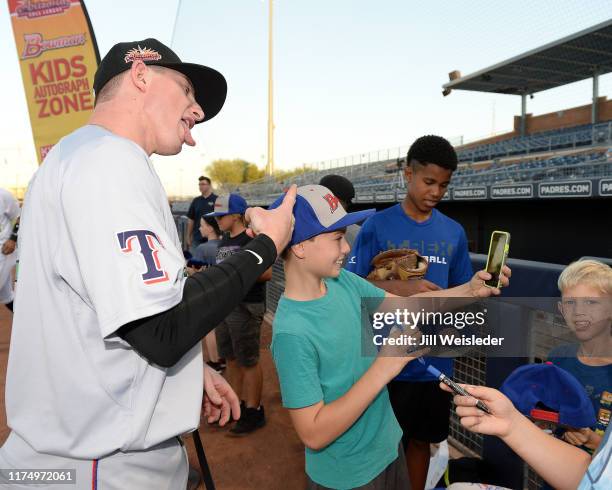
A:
58	56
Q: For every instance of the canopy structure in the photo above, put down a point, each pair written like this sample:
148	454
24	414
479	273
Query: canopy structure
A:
585	54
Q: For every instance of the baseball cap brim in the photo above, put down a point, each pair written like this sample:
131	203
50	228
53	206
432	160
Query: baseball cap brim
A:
210	86
218	213
353	218
348	220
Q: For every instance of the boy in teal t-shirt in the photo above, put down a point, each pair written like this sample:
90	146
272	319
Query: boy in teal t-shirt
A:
336	395
319	365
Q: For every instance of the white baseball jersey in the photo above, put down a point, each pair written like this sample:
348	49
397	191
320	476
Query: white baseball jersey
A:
9	211
99	249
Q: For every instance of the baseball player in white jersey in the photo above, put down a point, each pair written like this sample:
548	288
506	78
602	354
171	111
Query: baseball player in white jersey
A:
9	212
105	363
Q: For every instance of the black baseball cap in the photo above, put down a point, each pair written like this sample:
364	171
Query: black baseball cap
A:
341	187
210	86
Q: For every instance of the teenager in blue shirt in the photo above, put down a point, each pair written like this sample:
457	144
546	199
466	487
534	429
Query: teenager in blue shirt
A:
422	409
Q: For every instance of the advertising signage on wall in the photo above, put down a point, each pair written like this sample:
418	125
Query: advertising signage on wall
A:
605	187
576	188
541	190
476	192
365	198
515	191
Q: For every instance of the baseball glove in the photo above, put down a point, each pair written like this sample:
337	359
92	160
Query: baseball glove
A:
398	264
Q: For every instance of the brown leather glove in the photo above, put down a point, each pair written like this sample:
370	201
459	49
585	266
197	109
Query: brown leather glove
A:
398	264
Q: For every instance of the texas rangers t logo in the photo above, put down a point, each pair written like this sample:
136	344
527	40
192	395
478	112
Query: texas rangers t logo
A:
332	201
148	250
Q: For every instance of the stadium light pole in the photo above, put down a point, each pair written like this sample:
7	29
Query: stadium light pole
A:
270	165
178	10
594	112
523	113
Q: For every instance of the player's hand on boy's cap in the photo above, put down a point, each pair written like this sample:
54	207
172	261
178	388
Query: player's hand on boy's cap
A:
477	283
276	223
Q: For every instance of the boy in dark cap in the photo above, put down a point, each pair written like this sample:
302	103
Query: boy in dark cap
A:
344	190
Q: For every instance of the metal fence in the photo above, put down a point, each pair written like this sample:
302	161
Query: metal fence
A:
473	371
181	227
275	286
542	341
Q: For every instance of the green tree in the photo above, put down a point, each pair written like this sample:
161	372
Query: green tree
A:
236	171
253	172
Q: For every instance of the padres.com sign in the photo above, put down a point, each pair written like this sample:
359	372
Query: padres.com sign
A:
58	56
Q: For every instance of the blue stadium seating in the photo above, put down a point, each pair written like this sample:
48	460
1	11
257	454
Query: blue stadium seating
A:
553	155
558	139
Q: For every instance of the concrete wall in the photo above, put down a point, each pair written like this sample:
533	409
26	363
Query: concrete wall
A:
565	118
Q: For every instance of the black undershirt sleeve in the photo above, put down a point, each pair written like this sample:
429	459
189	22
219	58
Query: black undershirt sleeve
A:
208	297
15	231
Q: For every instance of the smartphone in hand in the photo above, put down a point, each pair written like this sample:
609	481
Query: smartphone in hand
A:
498	252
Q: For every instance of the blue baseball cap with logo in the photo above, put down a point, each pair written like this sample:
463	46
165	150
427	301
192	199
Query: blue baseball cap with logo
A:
555	388
229	204
318	211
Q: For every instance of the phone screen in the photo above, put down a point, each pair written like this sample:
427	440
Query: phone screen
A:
495	261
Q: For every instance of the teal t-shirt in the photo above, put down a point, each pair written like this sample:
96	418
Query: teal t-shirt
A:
317	349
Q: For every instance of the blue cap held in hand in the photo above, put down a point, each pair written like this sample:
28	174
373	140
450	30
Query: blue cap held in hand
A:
555	388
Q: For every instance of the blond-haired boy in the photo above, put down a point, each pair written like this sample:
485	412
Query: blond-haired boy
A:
586	306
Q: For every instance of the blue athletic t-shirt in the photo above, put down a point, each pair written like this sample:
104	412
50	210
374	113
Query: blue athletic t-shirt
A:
441	239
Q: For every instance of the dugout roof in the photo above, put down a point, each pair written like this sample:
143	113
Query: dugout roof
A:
570	59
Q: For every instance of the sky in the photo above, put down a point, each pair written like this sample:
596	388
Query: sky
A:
351	77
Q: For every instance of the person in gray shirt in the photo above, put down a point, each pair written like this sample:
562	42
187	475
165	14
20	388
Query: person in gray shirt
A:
207	252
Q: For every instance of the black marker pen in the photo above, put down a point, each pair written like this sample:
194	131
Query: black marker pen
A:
452	385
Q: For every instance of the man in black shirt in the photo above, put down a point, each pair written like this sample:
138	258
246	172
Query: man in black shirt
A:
200	206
